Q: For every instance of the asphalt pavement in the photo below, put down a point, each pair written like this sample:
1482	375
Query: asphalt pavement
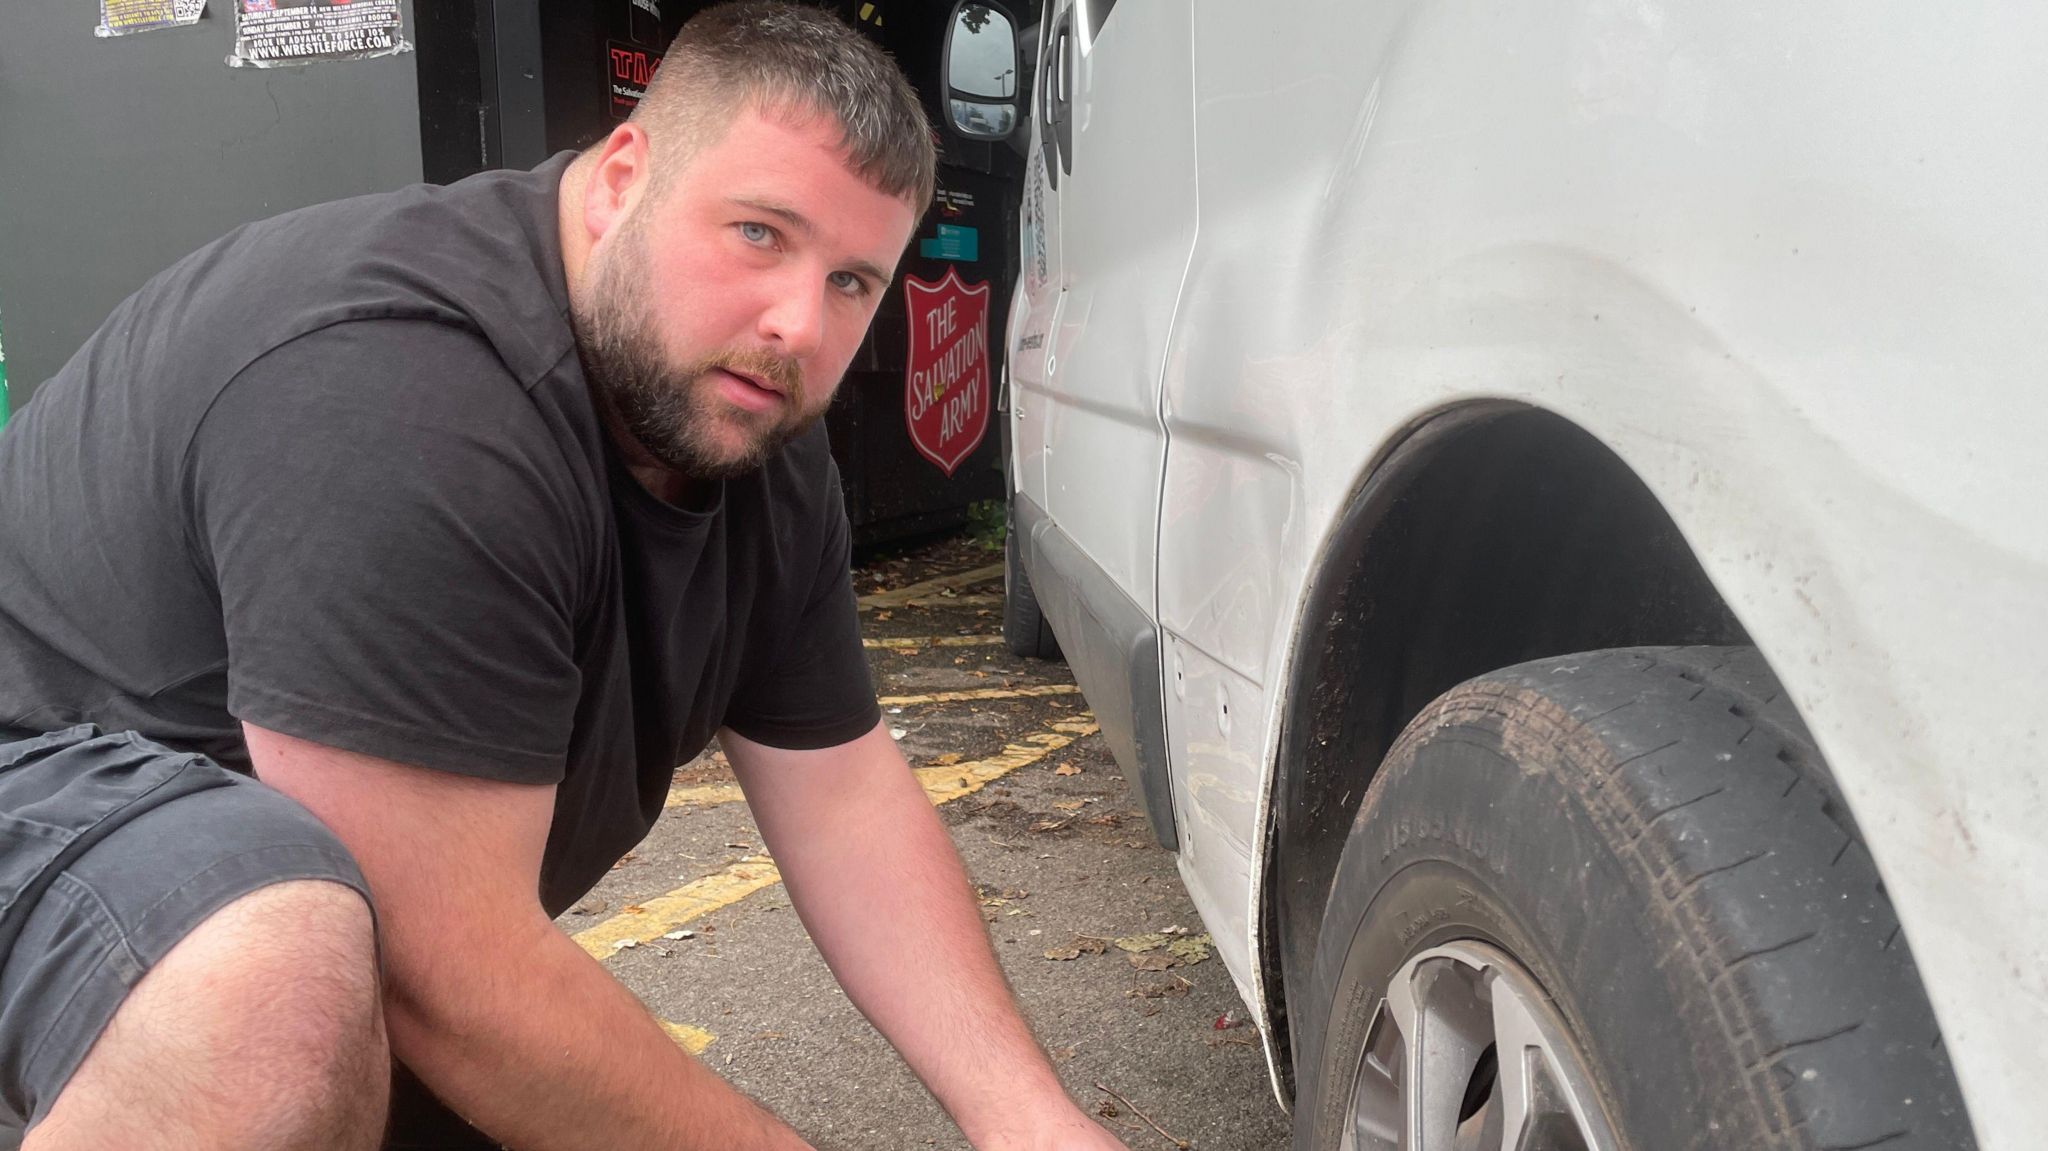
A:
1087	913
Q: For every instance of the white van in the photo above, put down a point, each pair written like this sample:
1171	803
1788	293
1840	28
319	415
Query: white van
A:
1550	500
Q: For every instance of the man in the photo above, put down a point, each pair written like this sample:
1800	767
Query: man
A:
457	517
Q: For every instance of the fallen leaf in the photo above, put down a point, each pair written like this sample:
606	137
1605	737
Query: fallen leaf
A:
632	909
1066	768
1154	962
946	760
1062	954
883	616
1090	945
1045	825
1071	804
1190	951
1150	941
1107	819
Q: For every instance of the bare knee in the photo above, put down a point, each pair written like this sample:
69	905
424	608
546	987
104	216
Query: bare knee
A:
261	1028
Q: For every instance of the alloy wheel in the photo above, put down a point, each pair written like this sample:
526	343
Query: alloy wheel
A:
1467	1053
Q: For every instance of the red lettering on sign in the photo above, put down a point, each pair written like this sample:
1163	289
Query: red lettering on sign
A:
632	69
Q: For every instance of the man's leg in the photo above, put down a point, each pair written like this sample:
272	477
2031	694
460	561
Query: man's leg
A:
187	957
260	1029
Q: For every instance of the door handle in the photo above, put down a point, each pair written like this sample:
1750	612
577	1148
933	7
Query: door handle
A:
1060	85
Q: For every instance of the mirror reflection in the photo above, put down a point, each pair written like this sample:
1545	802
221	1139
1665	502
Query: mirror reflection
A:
983	61
984	121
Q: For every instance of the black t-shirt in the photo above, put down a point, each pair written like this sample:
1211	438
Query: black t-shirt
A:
338	474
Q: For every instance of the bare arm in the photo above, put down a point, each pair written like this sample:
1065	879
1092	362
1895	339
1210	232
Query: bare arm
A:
859	846
501	1014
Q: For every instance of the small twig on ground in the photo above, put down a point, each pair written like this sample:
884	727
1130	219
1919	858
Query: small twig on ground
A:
1180	1143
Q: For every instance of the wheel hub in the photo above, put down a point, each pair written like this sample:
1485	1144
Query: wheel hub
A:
1467	1053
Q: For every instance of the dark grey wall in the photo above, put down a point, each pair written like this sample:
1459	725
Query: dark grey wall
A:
118	156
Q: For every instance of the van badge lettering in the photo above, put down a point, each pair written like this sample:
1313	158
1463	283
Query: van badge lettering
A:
945	386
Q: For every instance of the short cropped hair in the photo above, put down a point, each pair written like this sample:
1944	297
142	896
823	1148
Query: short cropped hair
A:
785	58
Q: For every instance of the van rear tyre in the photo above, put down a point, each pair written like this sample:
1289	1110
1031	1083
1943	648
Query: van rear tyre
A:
1025	629
1612	902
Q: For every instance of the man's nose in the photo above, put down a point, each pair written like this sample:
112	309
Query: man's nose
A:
795	316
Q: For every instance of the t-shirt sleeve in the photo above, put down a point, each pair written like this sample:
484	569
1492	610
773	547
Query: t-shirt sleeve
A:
395	537
818	691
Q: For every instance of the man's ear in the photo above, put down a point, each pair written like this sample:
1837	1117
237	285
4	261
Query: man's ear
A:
617	181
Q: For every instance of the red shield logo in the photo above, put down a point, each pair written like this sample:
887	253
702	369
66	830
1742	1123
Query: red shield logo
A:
945	389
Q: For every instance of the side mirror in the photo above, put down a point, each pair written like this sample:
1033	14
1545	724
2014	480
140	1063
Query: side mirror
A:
978	80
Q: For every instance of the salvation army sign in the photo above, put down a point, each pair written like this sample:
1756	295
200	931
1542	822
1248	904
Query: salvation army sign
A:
945	388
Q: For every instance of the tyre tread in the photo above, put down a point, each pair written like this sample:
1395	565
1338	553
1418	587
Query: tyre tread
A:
1706	779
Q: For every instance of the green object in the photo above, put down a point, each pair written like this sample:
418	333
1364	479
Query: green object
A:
953	242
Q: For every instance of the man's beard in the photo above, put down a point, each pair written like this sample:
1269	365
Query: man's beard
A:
669	410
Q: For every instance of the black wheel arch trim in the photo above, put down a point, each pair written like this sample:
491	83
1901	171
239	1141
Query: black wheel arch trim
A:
1325	714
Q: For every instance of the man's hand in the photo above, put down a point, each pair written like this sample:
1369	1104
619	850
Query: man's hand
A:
857	842
502	1015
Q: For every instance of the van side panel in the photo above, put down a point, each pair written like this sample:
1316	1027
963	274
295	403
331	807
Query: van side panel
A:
1785	263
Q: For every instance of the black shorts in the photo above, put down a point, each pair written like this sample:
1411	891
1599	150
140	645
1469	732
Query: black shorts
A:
112	848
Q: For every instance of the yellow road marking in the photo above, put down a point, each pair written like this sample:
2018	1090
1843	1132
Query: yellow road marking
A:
977	600
704	795
928	589
981	693
691	1039
944	782
934	641
665	913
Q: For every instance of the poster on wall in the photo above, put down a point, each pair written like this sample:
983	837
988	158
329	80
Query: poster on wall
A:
629	69
127	17
274	33
945	385
643	21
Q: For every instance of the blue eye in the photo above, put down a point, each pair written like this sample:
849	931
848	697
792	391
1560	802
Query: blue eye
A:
849	283
755	233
